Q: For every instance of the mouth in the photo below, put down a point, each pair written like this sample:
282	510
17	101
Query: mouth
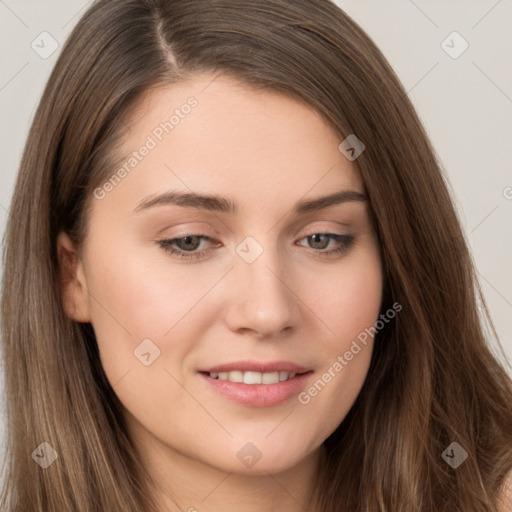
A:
256	384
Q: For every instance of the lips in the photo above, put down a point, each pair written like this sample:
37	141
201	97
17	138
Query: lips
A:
257	384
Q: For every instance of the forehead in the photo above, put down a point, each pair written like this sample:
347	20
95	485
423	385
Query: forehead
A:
217	135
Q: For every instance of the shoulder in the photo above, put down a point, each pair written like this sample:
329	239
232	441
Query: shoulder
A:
505	504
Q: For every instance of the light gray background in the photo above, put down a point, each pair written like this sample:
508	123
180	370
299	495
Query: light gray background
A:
465	104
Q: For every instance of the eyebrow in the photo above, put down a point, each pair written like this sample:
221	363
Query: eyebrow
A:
224	205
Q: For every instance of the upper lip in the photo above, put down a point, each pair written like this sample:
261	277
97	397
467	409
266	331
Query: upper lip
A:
257	366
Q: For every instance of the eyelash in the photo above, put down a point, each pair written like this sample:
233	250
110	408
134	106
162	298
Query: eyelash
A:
167	245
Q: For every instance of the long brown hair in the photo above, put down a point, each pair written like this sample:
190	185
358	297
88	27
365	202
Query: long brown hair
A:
432	380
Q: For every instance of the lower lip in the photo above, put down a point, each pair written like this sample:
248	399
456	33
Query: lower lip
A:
258	395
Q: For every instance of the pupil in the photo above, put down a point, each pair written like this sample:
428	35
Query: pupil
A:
317	239
187	241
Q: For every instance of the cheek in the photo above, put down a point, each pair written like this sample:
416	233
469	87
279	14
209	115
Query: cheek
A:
347	299
137	295
350	307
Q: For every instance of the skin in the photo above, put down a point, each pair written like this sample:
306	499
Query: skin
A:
266	151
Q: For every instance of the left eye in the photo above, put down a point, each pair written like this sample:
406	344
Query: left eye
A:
319	239
186	247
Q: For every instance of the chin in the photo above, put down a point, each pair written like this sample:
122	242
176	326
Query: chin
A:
261	458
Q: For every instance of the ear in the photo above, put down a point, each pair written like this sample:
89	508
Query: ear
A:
72	282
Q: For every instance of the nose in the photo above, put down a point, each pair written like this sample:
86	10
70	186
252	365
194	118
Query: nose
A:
262	301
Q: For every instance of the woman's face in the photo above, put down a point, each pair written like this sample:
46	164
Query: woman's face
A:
260	292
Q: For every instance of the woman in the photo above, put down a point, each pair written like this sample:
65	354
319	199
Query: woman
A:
235	279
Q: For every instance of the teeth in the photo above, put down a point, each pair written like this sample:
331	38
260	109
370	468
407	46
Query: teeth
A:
270	378
253	377
235	376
